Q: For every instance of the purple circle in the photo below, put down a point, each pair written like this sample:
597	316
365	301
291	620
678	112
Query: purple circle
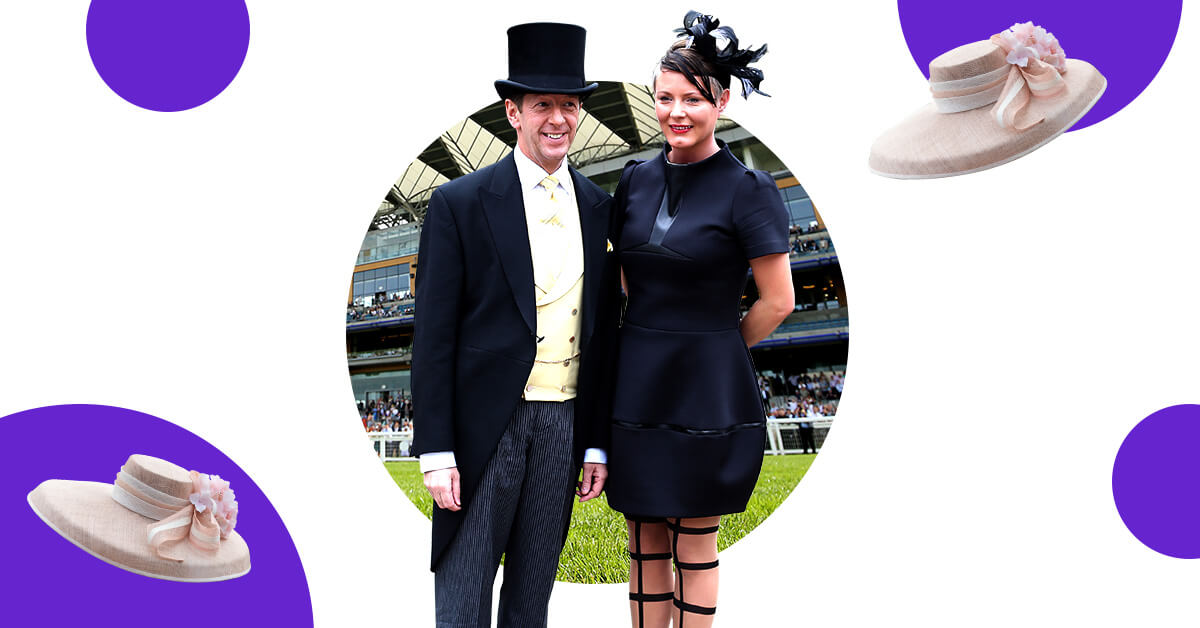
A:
168	56
60	584
1127	42
1156	481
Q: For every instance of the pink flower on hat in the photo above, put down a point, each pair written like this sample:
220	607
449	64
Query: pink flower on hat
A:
1044	41
226	511
1046	45
1019	52
213	495
1024	32
216	485
1020	55
1026	41
202	495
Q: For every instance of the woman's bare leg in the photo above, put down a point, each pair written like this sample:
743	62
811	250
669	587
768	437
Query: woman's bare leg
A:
694	545
650	579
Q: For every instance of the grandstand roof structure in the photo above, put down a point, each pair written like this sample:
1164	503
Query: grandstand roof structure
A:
617	121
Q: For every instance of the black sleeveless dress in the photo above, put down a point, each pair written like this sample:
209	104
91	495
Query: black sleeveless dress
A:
688	426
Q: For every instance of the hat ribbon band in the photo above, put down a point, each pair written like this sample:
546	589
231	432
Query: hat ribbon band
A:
1010	87
175	518
968	93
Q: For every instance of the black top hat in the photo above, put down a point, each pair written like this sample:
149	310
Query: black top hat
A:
545	58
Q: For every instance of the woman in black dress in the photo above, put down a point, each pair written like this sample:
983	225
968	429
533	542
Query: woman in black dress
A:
687	424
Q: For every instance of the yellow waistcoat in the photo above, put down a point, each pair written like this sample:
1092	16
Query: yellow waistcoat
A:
556	366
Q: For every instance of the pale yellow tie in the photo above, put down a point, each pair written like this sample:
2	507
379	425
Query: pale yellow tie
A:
551	185
549	248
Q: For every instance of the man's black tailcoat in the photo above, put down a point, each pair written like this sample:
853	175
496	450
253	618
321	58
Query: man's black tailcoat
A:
475	337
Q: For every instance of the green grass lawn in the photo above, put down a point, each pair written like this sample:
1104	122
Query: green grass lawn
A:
595	550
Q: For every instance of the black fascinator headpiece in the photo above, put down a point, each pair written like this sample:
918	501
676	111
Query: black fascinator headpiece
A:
718	45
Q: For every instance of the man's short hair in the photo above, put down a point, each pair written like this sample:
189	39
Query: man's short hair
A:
518	98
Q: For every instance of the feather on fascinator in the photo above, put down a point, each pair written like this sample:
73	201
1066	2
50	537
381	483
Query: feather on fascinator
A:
719	46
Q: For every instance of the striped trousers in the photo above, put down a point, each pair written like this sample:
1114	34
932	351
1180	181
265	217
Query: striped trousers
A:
522	505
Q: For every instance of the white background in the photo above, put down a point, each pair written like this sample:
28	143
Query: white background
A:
1009	327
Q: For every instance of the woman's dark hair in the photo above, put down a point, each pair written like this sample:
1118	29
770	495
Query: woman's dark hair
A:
708	55
698	71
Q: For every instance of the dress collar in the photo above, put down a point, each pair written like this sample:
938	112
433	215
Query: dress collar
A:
722	153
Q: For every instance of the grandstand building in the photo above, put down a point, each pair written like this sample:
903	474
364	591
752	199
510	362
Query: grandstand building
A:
617	124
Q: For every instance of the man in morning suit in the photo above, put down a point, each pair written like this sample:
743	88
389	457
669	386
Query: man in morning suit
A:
510	357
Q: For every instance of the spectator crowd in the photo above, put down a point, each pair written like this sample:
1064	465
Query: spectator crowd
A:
387	415
395	305
809	245
798	395
383	353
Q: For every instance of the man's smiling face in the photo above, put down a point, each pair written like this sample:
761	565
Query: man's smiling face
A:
545	125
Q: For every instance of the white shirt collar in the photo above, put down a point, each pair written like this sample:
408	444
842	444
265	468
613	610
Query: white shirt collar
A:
530	174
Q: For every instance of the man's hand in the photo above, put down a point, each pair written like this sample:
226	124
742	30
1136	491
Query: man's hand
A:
442	485
594	475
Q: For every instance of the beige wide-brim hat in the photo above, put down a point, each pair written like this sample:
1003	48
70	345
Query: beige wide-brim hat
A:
931	143
89	515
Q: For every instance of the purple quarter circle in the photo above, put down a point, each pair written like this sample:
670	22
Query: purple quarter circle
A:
168	56
51	582
1126	41
1156	481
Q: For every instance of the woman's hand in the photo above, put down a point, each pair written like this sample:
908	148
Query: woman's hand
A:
776	297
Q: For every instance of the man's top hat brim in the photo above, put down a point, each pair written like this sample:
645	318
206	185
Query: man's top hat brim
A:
544	85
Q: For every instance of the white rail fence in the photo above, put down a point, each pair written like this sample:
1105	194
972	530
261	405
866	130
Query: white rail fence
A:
391	446
783	437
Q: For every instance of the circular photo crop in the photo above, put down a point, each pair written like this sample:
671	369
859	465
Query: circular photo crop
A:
798	367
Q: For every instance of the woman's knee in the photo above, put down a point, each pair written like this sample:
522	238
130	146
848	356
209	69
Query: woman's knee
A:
648	537
695	539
